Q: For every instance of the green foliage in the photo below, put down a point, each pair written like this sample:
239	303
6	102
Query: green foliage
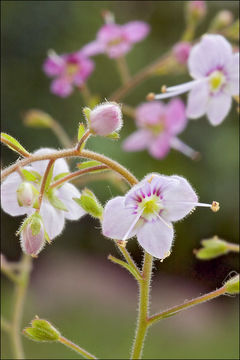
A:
17	147
42	330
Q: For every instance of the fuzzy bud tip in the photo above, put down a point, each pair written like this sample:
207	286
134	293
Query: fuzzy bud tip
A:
105	119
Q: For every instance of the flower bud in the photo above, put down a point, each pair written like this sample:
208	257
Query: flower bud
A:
89	202
181	51
232	285
25	194
105	119
33	235
42	330
212	248
37	118
222	19
196	10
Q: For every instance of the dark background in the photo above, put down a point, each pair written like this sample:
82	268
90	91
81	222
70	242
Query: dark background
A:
91	300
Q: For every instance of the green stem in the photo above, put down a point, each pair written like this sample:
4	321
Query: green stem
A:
126	266
174	310
86	94
129	259
142	323
123	69
76	348
83	139
61	134
5	325
19	298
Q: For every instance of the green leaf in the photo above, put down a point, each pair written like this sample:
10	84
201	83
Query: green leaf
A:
31	175
87	112
15	143
89	202
36	223
81	131
60	176
56	202
24	224
88	164
113	136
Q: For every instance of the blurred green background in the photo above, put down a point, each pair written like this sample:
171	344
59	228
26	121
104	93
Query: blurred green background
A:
73	284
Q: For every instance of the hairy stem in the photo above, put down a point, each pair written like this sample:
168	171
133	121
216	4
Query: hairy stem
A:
142	322
19	298
43	184
126	266
83	139
76	348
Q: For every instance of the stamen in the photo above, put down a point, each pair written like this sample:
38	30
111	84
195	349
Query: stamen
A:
188	85
215	206
150	96
164	89
177	90
177	144
132	225
164	222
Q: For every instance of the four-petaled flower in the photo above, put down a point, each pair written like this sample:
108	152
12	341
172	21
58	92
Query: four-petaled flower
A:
148	211
215	69
117	40
69	70
158	126
53	218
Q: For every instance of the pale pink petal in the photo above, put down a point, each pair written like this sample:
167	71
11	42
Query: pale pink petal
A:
61	87
218	107
176	119
136	31
53	219
66	193
60	165
178	199
115	51
139	140
181	51
213	52
156	238
160	146
9	201
54	65
233	75
86	67
197	101
117	219
93	48
109	33
150	113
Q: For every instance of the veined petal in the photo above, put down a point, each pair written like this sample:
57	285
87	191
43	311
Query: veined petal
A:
66	193
136	31
156	238
176	116
218	107
212	52
160	146
60	165
139	140
197	101
53	219
117	219
178	199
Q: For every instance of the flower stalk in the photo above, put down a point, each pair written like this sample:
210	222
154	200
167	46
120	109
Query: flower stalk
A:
76	348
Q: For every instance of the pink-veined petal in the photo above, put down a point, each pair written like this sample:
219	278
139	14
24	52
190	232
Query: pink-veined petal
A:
60	165
176	119
156	238
117	219
61	87
136	31
178	199
139	140
66	193
160	146
213	52
218	107
197	101
53	219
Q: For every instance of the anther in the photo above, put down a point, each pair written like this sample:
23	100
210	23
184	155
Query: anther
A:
164	89
150	96
215	206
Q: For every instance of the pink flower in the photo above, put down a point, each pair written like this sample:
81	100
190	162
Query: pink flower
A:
33	236
196	9
148	211
117	40
69	70
53	218
181	51
105	119
158	126
215	70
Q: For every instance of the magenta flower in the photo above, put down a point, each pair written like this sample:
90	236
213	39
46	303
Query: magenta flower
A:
53	218
68	70
117	40
148	211
105	119
158	126
215	69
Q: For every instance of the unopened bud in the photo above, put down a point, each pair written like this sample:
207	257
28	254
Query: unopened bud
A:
223	18
89	202
232	285
105	119
25	194
42	330
212	248
196	10
181	51
37	118
33	236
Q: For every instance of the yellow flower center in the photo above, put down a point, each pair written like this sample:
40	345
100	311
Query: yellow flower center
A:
217	80
114	42
150	207
72	69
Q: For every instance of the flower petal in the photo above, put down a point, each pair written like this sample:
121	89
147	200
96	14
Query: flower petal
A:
178	199
61	87
139	140
66	193
176	116
136	31
53	219
150	113
93	48
197	101
156	238
218	107
60	165
54	65
212	52
233	75
117	219
160	146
